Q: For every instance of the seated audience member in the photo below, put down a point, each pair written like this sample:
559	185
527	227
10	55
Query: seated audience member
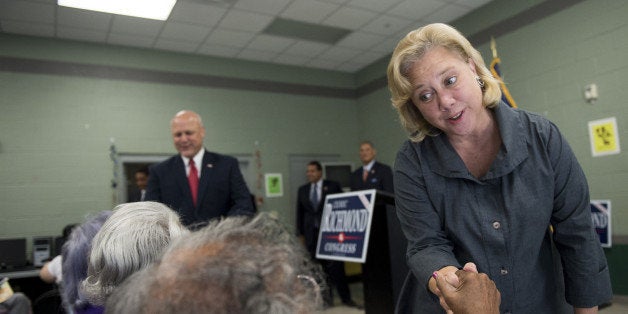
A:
236	265
130	240
13	302
468	292
75	253
51	271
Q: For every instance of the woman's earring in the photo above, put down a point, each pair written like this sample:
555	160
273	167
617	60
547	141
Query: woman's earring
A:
480	82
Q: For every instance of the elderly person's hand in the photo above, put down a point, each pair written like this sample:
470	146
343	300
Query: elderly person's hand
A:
467	291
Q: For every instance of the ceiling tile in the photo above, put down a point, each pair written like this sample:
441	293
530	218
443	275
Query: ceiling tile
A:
323	64
335	1
130	40
230	38
186	32
245	21
83	18
219	50
291	59
367	57
136	26
378	6
361	40
339	54
412	9
175	45
270	43
388	45
242	29
410	27
349	18
81	34
257	55
307	48
273	7
27	11
473	3
447	14
351	66
54	2
386	25
28	28
195	13
309	10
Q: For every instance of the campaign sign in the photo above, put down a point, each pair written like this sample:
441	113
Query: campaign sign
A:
345	226
601	217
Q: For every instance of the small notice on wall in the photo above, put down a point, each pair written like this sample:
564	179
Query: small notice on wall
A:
274	185
604	137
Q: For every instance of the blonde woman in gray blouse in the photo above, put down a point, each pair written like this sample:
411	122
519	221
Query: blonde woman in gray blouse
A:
481	182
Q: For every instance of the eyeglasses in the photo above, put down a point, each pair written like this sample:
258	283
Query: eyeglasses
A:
311	282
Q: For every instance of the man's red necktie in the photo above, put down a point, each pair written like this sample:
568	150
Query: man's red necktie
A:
193	181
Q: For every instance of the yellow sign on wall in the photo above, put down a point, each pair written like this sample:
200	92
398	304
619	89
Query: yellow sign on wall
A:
604	137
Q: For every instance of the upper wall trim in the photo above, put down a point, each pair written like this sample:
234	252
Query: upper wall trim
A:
22	65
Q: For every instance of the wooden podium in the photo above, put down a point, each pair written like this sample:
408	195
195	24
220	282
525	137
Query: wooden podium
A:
385	268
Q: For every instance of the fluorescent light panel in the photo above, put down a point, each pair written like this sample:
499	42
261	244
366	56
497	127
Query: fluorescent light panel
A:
148	9
308	31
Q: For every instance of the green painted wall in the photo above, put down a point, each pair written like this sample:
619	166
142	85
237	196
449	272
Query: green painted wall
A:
55	130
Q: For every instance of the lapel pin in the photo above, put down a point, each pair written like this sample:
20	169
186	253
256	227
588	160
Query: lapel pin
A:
210	165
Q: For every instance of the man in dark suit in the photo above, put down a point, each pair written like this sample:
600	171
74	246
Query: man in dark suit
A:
198	184
378	287
372	174
141	180
311	198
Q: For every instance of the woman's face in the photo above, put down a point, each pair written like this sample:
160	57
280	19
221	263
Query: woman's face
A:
446	92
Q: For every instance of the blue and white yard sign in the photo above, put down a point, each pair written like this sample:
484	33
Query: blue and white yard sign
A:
345	226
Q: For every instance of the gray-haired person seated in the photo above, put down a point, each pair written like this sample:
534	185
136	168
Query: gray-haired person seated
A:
130	240
237	265
74	254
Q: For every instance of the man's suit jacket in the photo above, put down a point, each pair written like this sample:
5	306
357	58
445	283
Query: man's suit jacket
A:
380	177
136	196
309	218
221	189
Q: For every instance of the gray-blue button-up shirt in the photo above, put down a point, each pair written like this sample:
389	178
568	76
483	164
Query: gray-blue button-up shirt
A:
501	221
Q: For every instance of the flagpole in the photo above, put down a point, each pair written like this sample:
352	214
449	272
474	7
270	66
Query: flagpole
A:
506	97
493	47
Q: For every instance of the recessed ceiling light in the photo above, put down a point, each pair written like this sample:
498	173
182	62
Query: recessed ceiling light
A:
303	30
148	9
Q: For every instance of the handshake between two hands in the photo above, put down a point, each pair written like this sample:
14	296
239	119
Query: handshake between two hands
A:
463	291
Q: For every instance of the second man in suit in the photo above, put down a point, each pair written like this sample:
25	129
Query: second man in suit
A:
372	174
310	202
198	184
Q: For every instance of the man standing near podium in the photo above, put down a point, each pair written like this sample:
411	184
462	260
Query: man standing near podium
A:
372	174
310	199
376	271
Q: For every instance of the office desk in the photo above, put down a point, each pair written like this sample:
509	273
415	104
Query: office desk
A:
27	281
18	274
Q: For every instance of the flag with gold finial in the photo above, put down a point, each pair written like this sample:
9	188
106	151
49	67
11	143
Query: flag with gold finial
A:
494	67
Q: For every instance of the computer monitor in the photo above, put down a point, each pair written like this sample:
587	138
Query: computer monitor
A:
12	253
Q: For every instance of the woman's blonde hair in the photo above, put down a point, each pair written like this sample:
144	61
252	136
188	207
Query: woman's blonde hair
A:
409	50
